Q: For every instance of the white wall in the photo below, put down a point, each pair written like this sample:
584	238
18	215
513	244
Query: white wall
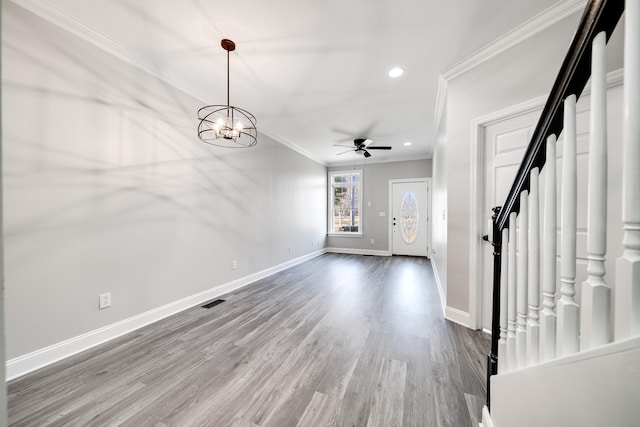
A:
516	75
439	206
375	189
3	386
107	189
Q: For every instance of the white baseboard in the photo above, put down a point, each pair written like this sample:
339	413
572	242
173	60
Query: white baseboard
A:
443	300
30	362
458	316
358	251
486	418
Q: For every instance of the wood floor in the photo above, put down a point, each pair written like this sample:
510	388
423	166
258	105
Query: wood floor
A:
342	340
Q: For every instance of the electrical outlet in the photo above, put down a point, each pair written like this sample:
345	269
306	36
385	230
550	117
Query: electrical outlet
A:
234	265
372	241
290	248
105	300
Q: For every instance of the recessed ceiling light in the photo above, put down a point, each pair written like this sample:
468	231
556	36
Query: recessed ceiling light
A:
396	72
406	144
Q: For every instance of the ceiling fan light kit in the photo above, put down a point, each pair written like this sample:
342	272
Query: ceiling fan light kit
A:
225	125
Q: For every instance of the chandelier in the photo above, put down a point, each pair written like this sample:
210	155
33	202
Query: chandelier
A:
225	125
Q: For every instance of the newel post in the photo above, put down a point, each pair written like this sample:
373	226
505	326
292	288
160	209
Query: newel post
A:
492	357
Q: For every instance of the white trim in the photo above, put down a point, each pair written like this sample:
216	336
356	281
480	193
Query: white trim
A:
354	251
429	219
522	32
55	15
443	299
477	185
330	217
537	24
375	160
614	78
457	316
622	346
486	418
295	148
441	98
30	362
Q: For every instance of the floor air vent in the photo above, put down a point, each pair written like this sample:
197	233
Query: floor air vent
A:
213	303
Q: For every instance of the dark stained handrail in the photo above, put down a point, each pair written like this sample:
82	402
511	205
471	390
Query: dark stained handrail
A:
599	15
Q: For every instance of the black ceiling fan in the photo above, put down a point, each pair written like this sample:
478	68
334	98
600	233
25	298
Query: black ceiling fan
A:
362	145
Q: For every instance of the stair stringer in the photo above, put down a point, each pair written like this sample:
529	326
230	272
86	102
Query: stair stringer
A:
600	387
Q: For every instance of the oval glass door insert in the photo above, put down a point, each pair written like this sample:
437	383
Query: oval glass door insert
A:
409	218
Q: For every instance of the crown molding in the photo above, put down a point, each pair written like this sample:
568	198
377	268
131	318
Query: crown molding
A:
535	25
369	161
522	32
296	148
53	14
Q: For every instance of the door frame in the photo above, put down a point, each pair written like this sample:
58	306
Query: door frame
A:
476	268
477	184
390	222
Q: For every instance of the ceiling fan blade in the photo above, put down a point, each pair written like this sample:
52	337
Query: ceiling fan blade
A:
366	153
343	152
340	145
347	135
369	129
381	147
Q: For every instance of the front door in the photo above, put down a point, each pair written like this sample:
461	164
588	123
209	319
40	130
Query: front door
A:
410	218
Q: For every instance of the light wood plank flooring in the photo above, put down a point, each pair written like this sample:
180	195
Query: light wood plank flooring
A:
341	340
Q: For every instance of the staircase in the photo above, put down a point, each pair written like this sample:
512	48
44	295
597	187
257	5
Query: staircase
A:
600	387
556	360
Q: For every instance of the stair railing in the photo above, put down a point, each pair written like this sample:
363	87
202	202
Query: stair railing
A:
523	334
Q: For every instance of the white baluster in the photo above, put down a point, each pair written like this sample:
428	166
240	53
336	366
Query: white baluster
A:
533	285
502	343
521	293
548	318
627	310
595	313
568	310
511	294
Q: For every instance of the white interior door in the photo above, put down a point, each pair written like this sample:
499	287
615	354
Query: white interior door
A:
410	218
505	143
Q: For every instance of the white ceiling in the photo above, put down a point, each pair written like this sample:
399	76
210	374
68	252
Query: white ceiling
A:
314	73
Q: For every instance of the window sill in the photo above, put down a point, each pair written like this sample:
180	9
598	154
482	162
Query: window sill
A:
344	234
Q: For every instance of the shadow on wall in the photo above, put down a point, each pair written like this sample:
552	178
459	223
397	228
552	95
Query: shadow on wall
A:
107	188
